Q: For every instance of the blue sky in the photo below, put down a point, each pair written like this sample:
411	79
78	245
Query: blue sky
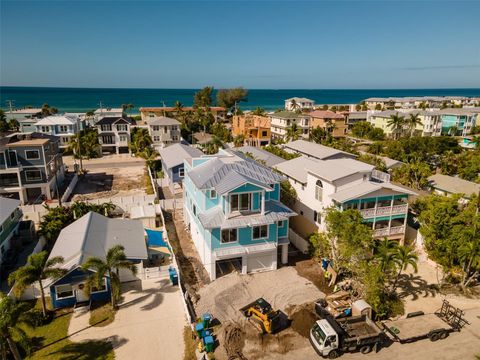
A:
263	44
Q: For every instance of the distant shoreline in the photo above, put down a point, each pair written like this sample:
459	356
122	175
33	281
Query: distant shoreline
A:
85	99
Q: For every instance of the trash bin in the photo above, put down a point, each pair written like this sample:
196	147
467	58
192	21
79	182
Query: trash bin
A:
172	272
206	320
209	343
199	329
325	263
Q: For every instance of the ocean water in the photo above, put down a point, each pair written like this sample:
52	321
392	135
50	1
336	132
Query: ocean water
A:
85	99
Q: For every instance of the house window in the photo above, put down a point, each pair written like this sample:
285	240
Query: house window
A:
280	224
102	288
228	236
319	190
156	128
181	172
156	138
12	215
64	291
165	129
264	133
123	138
63	128
33	175
32	154
316	218
175	138
45	128
121	127
260	232
213	194
194	210
240	202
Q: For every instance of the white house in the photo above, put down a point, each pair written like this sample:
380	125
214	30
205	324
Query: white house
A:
281	121
164	131
345	183
297	103
59	125
114	133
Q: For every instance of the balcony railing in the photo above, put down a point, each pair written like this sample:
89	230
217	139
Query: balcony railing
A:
395	230
384	211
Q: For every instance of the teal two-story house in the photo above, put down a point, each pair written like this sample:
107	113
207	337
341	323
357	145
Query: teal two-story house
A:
233	211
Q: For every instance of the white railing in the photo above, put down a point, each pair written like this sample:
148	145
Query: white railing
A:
70	188
395	230
384	211
380	175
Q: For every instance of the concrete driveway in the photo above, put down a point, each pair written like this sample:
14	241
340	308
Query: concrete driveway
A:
148	325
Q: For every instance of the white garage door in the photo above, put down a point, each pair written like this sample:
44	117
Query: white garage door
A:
259	262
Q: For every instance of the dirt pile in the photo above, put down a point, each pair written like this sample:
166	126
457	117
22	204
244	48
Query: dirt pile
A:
313	271
302	318
225	296
233	341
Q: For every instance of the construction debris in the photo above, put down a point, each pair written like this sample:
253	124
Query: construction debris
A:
233	341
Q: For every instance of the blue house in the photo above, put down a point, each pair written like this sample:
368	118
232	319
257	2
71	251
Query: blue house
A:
173	157
233	211
92	236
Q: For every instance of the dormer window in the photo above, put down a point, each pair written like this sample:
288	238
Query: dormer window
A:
240	202
319	190
213	194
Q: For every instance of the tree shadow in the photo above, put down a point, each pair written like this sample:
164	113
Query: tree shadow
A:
90	350
154	295
415	286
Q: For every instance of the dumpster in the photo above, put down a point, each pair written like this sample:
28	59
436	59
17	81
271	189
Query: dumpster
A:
199	329
172	272
208	343
206	320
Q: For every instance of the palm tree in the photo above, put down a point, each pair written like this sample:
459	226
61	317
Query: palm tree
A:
140	140
213	146
469	254
452	130
293	132
37	269
259	111
404	256
294	105
385	253
412	121
318	134
12	314
100	268
239	140
396	123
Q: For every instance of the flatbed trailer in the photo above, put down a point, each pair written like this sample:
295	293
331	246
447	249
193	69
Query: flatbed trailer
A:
418	325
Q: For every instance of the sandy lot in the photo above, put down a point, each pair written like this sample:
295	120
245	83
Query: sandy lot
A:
284	289
113	175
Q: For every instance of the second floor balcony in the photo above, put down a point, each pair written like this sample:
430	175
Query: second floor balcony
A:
384	211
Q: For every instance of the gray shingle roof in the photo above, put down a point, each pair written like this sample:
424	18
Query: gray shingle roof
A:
7	206
174	155
274	211
93	234
260	154
316	150
454	185
212	174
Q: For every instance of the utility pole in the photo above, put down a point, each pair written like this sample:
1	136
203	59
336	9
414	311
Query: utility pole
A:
11	104
80	144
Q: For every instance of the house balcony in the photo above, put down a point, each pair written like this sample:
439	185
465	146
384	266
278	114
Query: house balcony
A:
395	230
240	250
384	211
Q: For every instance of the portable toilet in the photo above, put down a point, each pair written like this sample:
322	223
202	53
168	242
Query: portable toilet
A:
361	307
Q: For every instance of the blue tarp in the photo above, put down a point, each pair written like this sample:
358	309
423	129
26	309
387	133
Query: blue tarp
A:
155	238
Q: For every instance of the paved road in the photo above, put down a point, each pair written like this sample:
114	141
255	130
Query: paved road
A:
148	325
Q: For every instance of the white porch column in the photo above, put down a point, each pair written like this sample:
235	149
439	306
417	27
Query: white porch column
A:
244	264
263	202
284	254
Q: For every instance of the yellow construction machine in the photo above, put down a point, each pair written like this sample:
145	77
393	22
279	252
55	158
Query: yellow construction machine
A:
262	315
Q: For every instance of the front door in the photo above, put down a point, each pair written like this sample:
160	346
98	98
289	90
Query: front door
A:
80	293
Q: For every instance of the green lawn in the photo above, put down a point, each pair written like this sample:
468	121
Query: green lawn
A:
51	342
101	314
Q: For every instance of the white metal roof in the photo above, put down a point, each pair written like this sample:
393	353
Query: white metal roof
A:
141	212
56	120
454	185
162	120
93	235
316	150
365	188
174	155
